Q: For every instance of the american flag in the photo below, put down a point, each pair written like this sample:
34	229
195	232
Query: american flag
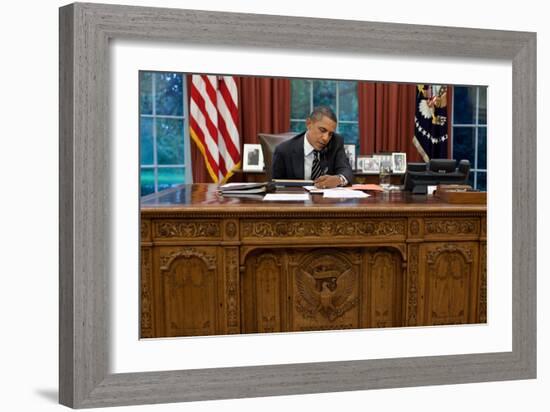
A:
213	118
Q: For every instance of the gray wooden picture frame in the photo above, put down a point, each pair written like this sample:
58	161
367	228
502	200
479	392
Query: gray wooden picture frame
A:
85	31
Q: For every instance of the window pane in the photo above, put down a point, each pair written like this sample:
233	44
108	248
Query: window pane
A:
482	181
169	94
300	98
348	106
147	181
298	126
482	148
146	140
464	144
170	176
350	133
145	93
464	105
324	93
482	105
170	141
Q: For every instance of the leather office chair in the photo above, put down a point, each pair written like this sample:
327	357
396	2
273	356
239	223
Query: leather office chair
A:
269	142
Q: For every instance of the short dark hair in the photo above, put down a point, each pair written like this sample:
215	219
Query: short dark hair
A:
323	111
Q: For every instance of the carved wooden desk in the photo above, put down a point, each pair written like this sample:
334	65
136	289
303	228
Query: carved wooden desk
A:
214	265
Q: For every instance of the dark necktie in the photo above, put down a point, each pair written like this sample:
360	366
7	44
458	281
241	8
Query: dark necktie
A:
316	166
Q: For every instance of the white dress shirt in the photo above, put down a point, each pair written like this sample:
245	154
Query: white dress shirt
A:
308	158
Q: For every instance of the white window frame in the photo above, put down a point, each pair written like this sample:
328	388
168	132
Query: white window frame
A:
188	175
476	125
336	109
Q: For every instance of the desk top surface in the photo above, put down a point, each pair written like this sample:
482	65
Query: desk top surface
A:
197	198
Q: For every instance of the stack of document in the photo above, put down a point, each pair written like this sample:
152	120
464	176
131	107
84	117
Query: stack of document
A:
292	182
245	188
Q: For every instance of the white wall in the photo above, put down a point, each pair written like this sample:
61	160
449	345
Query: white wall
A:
28	157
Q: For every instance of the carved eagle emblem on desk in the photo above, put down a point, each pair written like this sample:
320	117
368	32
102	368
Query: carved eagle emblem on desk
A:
330	296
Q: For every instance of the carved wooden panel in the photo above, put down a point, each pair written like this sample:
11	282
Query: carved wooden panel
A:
412	286
188	291
231	229
454	228
482	283
313	229
268	292
231	290
146	296
416	228
324	290
263	291
384	289
303	289
450	284
145	230
186	229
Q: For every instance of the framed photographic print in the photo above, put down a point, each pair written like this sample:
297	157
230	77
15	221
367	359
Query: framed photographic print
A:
383	159
253	158
399	162
371	165
361	159
350	154
103	361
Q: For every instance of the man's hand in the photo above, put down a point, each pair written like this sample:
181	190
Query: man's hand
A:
327	182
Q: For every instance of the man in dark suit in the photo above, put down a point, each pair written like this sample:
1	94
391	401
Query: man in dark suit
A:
317	154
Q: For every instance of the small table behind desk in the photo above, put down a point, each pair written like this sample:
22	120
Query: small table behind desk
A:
214	265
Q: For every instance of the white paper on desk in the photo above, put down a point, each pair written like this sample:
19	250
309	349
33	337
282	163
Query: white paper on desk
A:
286	196
341	192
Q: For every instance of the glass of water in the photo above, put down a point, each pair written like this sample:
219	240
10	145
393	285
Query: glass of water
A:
385	176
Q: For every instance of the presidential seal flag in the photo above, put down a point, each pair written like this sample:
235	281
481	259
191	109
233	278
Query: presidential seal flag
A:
213	120
430	131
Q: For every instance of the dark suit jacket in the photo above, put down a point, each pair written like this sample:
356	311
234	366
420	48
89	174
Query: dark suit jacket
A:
288	159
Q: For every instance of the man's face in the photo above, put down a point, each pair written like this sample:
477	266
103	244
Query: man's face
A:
319	132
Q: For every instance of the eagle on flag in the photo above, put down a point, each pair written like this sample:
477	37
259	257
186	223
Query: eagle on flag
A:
430	131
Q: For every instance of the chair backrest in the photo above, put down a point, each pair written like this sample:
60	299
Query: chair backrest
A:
269	141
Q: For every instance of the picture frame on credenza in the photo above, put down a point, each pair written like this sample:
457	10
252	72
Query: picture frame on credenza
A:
253	158
350	155
399	163
383	159
371	165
